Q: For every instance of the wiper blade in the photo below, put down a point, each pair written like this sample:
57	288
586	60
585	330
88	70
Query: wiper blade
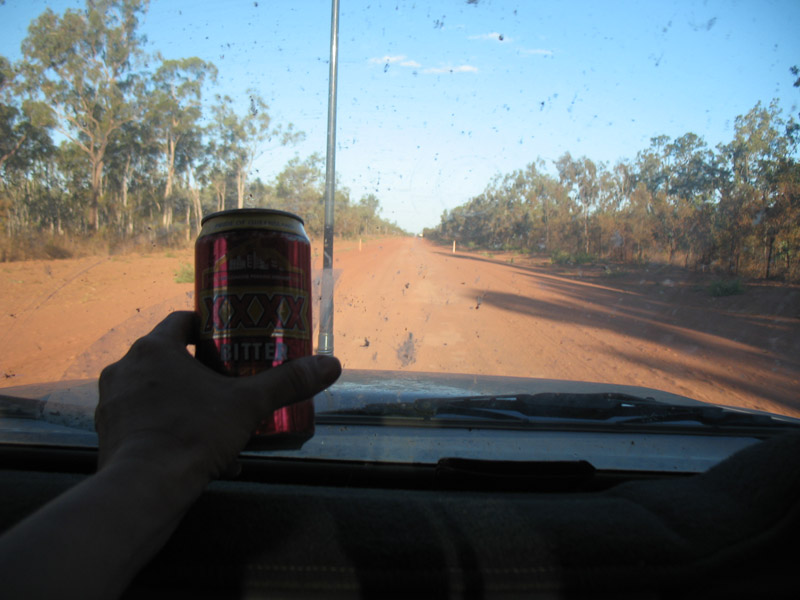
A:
560	405
609	408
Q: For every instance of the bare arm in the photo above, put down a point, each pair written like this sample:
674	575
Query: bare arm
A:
167	426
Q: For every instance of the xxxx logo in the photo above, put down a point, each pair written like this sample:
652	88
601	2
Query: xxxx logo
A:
256	313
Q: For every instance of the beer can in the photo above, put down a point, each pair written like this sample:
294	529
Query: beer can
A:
253	295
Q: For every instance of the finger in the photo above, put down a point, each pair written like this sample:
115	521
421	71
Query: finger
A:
179	326
291	382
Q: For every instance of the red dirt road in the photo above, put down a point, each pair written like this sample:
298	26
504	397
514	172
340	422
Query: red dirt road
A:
404	303
420	307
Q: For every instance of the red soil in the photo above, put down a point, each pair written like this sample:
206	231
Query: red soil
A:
407	304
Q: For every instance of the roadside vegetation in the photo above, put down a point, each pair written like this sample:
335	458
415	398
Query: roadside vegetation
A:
732	209
105	148
726	287
184	274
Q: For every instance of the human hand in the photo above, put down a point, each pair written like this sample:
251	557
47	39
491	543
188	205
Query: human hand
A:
160	405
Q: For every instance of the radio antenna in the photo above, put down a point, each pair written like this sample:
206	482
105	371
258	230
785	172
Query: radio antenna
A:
325	343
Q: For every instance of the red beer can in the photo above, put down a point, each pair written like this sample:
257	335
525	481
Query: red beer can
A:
253	295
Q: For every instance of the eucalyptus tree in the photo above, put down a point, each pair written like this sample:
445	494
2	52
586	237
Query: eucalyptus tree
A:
219	170
656	171
80	77
132	177
368	210
300	188
546	206
18	136
512	222
579	178
174	114
241	138
196	164
609	201
793	126
73	168
680	178
692	191
749	208
24	147
786	218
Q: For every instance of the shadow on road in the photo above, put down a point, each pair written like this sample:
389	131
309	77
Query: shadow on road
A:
749	342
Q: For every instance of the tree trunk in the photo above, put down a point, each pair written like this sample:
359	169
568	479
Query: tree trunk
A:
586	229
94	203
241	178
788	267
126	181
198	211
13	151
220	189
167	215
768	255
546	230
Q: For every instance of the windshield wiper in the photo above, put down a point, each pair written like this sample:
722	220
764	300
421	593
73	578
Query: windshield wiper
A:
541	409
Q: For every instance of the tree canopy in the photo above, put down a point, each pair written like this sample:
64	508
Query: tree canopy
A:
143	146
735	207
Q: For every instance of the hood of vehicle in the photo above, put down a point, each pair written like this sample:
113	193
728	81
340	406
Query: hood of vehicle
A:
72	403
61	414
358	387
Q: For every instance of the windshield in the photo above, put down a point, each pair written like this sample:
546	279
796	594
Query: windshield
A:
606	194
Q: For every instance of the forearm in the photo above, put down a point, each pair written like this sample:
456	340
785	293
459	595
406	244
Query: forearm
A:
167	425
91	541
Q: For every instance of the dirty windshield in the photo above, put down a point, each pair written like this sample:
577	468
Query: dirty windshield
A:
594	192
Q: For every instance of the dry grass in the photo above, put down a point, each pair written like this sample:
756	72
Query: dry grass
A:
47	246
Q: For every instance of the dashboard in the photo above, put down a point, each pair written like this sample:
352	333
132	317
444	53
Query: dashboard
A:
567	519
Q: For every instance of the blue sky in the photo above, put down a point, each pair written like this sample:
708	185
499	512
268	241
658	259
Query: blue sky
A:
435	98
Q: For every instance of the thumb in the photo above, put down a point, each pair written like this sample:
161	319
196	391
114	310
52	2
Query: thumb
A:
291	382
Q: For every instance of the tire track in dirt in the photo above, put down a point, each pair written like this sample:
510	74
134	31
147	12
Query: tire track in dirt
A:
64	318
36	303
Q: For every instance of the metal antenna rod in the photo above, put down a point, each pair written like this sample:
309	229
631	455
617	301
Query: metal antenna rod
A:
325	343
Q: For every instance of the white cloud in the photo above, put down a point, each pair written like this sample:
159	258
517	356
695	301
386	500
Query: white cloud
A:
399	59
459	69
538	52
402	61
388	59
498	37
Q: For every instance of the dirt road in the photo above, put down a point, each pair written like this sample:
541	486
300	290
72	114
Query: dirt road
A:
410	305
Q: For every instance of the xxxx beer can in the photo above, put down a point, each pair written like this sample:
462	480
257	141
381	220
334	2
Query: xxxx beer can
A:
253	295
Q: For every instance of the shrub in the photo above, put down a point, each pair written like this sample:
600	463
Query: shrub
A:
559	257
582	258
722	287
184	274
56	251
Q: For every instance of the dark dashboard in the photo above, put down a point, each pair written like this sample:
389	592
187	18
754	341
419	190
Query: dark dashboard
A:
306	528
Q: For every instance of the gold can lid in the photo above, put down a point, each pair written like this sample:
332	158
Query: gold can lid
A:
252	218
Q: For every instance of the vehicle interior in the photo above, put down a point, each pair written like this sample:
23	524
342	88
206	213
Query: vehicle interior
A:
460	482
457	527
